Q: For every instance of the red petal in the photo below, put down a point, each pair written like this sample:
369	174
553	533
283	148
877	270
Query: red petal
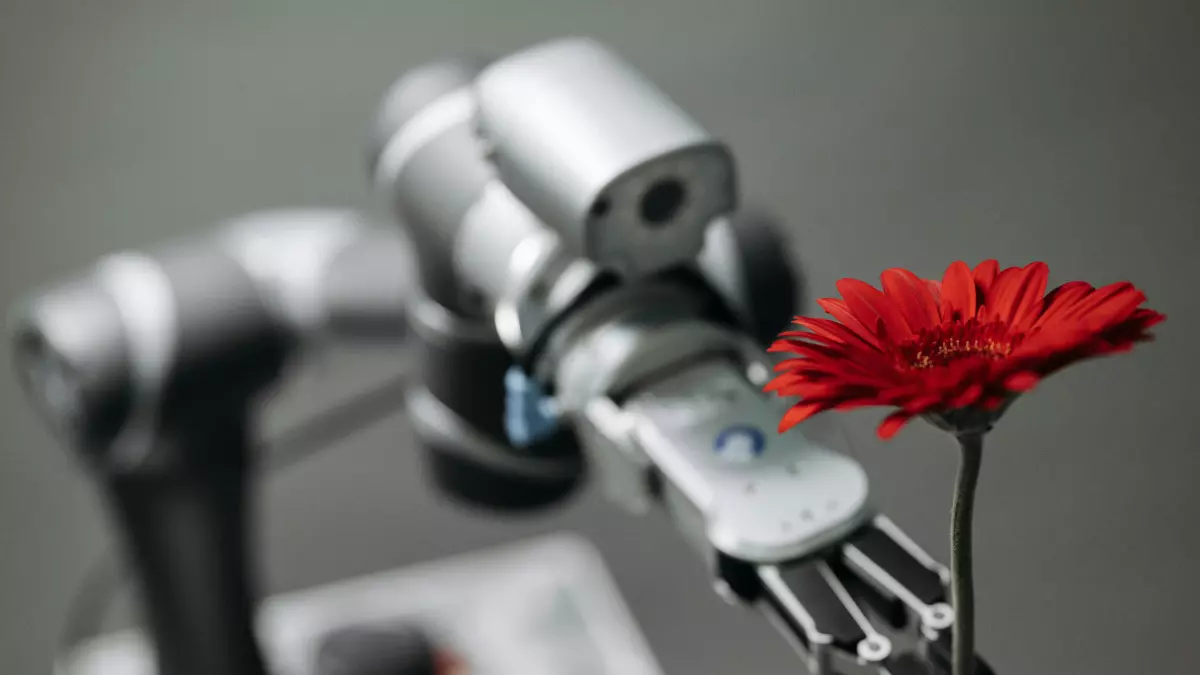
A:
812	350
985	275
813	389
1107	306
1029	304
924	402
1048	341
911	296
1017	294
969	396
839	310
808	336
958	293
1062	299
935	289
1021	381
872	307
799	413
1069	289
834	330
893	423
1134	328
815	361
780	383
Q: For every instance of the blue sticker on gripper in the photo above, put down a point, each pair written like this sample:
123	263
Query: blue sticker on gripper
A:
740	442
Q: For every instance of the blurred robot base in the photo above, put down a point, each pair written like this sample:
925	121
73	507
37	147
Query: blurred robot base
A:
542	607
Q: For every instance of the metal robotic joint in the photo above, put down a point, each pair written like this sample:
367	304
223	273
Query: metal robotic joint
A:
599	230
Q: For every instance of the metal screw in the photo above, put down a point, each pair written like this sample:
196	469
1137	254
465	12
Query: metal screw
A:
874	648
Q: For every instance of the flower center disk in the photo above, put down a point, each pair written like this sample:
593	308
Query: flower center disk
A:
949	343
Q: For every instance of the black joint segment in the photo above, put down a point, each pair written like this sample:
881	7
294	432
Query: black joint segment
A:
462	363
810	584
739	575
490	475
940	651
716	308
229	347
925	584
907	663
773	281
376	650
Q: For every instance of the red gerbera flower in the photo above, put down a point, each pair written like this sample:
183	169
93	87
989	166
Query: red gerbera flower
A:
955	351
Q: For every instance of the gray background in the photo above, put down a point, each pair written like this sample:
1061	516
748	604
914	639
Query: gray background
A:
887	133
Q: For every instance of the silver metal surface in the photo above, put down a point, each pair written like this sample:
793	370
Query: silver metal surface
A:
721	265
626	334
587	143
819	653
289	253
493	230
544	281
622	471
765	497
144	298
632	307
446	113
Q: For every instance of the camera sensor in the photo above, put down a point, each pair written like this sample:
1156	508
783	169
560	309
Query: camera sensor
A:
662	200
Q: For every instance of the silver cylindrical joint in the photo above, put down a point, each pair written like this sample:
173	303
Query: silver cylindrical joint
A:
328	273
602	156
71	354
492	232
427	162
519	268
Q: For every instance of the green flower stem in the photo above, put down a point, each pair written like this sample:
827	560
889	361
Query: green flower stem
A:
962	583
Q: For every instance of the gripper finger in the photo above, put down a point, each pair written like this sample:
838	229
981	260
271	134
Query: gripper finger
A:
909	663
812	600
886	560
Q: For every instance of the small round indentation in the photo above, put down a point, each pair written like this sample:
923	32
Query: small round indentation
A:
832	505
751	488
792	470
786	526
806	516
600	207
662	200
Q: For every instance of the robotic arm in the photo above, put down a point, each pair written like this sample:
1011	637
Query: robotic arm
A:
576	235
595	226
150	366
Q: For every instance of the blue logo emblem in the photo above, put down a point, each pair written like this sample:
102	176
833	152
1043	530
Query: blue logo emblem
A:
740	443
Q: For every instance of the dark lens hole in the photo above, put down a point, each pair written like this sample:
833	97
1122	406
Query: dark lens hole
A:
601	207
661	202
